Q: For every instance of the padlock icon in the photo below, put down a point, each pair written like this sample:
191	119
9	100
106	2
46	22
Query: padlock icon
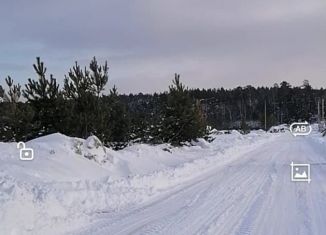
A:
25	154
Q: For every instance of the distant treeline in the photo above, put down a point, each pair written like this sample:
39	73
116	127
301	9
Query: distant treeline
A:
81	108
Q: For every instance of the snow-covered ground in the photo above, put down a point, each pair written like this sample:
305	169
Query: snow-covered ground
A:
238	184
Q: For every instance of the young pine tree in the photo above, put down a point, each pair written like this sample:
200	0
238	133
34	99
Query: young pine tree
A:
42	94
15	117
83	88
118	121
182	120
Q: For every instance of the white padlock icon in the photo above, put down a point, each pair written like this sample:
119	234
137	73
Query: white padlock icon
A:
25	154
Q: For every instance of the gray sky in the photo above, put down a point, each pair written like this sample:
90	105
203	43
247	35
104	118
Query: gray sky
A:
210	43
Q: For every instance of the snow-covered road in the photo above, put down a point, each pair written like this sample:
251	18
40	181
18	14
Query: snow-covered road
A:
253	194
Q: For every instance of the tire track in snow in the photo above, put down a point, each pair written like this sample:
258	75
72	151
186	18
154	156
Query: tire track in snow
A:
185	211
303	212
246	225
159	226
254	198
221	202
231	201
127	217
208	210
221	191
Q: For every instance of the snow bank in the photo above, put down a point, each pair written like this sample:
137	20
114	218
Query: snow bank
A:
71	178
279	129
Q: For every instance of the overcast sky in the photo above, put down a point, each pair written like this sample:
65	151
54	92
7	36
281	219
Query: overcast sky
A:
210	43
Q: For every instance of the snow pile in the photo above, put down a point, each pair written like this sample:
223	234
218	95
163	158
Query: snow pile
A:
70	178
92	148
279	129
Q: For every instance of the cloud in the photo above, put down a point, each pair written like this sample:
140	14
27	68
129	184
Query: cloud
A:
211	43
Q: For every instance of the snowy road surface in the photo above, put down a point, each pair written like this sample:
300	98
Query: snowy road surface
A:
252	194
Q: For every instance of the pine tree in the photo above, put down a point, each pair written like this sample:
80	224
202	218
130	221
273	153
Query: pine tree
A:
98	76
15	122
42	94
14	92
182	119
83	88
118	121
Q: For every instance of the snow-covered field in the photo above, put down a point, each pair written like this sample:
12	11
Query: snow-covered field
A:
238	184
